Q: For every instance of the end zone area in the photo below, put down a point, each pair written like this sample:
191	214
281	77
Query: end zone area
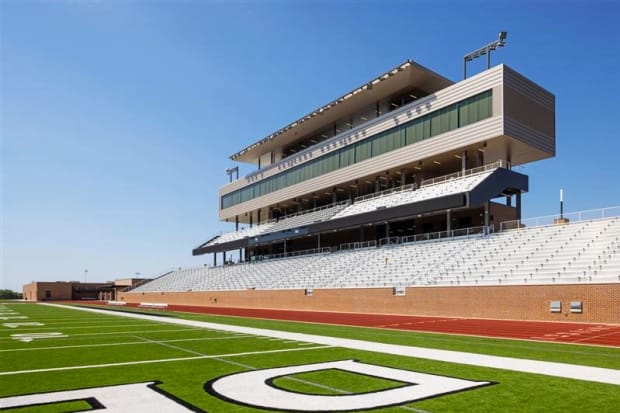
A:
59	359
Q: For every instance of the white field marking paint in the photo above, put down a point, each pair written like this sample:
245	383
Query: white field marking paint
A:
126	398
172	346
119	326
14	317
255	388
28	337
131	363
313	384
26	324
547	368
124	333
123	344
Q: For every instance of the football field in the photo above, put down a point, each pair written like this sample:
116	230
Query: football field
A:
67	359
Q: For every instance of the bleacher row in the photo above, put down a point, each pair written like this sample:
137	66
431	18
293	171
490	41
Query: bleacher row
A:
389	199
580	252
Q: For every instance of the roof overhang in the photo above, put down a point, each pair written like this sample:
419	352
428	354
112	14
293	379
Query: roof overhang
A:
404	76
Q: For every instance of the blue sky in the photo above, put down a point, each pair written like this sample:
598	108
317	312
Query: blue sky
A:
118	117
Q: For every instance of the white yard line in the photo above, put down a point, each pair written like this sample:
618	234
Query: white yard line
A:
562	370
85	327
143	341
123	333
130	363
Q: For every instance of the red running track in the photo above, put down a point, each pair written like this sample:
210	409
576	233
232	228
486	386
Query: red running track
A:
564	332
559	332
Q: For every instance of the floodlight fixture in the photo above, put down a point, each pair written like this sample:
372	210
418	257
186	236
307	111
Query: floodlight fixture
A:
484	50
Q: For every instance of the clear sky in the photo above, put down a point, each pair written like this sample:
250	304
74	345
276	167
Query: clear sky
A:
118	117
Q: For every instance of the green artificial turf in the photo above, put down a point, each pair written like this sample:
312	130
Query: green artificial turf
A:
120	351
61	407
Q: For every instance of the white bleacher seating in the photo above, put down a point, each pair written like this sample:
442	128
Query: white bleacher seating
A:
580	252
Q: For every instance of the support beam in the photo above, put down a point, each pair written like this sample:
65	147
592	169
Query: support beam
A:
519	205
448	221
486	213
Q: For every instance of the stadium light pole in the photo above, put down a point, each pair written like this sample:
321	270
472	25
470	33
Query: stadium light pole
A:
229	172
484	50
85	275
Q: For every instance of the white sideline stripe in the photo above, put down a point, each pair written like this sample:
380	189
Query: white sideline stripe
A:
129	363
143	341
547	368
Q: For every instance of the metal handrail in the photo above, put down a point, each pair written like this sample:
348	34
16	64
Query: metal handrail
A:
468	172
579	216
308	211
384	192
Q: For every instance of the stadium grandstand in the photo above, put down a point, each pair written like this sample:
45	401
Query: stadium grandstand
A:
401	196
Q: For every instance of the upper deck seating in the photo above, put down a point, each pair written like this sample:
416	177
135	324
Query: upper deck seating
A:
425	192
236	235
305	218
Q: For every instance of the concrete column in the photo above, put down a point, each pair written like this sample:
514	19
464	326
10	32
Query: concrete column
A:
377	184
464	160
508	200
403	178
214	259
223	257
258	217
236	222
486	214
518	205
334	196
318	240
448	221
250	219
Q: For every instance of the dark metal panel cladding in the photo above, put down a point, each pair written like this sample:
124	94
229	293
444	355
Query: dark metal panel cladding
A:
498	183
387	214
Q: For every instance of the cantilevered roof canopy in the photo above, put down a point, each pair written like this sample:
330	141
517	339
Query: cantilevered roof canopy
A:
405	76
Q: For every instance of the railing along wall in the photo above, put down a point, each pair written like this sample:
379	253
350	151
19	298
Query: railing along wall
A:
587	215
